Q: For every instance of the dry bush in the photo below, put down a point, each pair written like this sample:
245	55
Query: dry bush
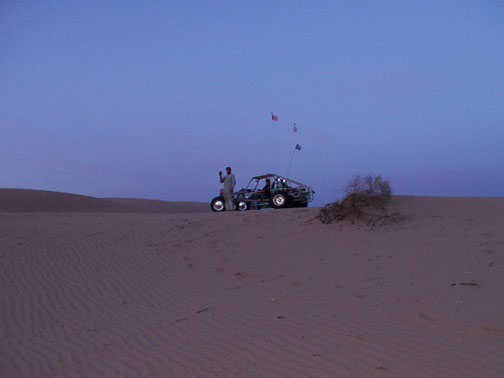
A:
365	199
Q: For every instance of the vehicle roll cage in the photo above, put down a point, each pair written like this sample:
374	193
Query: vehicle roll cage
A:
286	182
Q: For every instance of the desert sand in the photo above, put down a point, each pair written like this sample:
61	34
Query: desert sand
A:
29	200
105	288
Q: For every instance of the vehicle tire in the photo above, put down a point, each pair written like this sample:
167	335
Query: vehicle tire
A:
279	200
217	204
303	204
242	206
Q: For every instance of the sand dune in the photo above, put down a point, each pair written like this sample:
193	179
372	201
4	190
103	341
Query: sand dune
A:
157	206
270	293
29	200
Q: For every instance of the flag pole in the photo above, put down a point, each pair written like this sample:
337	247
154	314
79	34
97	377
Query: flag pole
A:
274	118
294	131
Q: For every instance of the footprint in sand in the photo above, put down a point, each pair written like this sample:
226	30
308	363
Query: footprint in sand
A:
423	318
189	263
242	275
485	331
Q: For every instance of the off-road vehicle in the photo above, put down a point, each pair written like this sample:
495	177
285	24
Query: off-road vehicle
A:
283	192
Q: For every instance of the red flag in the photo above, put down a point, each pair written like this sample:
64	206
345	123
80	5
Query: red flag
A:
274	117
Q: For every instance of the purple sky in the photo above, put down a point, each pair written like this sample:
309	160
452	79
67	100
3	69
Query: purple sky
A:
152	98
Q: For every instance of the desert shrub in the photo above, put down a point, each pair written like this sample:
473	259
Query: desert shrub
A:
365	198
372	187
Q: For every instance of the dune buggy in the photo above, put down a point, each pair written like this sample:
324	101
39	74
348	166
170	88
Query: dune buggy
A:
282	192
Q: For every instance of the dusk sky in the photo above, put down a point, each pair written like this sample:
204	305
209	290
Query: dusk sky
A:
151	99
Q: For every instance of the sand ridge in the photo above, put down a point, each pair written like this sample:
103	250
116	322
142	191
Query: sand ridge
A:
256	294
31	200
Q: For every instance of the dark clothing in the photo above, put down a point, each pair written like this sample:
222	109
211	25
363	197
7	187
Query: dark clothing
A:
267	190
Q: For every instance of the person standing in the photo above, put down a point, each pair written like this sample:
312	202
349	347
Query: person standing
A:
267	188
229	184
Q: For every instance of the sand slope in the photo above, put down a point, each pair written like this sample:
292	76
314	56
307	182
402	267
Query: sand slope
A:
269	293
29	200
157	206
